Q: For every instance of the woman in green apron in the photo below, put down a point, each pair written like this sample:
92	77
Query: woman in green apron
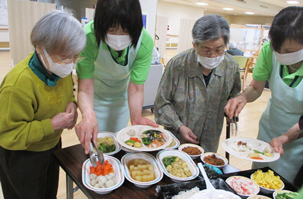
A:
280	62
111	80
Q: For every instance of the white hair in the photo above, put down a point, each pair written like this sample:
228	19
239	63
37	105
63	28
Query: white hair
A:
59	32
232	44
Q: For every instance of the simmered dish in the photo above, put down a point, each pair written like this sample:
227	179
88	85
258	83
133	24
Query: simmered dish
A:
141	170
176	167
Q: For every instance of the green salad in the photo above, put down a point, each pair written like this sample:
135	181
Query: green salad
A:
290	195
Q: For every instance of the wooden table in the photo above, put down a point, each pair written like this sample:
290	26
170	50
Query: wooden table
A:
71	160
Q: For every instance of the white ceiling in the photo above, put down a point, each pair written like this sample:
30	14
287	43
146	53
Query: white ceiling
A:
259	7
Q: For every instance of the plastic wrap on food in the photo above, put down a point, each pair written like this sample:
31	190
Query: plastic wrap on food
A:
170	190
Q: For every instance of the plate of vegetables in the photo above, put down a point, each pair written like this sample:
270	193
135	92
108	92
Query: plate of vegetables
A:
144	138
107	143
285	194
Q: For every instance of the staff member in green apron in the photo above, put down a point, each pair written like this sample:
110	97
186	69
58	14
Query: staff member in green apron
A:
111	78
280	62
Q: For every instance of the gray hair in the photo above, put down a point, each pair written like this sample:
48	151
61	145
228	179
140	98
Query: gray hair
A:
210	27
59	33
232	44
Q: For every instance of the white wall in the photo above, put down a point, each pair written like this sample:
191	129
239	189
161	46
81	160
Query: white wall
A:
176	12
149	7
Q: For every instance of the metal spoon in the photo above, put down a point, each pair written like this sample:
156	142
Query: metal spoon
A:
93	158
99	152
207	182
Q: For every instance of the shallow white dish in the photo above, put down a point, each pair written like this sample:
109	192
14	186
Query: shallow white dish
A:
182	155
268	191
254	144
218	156
258	197
123	136
145	156
191	145
175	145
245	183
118	170
214	194
108	134
280	191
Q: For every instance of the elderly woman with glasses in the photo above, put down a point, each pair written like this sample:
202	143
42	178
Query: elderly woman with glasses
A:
37	103
196	85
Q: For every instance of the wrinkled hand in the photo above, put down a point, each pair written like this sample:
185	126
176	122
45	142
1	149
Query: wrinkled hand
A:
277	144
72	108
66	119
235	105
86	129
188	135
144	121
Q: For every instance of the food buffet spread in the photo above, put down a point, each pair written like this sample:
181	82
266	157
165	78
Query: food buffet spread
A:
151	154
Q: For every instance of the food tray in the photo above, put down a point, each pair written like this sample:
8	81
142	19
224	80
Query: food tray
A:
170	190
247	173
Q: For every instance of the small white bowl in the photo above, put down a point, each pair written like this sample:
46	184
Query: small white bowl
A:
145	156
239	181
268	191
280	191
182	155
182	146
112	135
118	170
217	155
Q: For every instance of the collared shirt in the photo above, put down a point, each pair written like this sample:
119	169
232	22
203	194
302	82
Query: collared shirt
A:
184	99
263	68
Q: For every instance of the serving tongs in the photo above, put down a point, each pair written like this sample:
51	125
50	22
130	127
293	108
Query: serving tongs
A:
92	155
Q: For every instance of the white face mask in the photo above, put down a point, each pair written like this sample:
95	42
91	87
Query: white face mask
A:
62	70
210	63
118	42
289	58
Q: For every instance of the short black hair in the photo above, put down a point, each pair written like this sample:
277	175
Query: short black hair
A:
288	23
112	13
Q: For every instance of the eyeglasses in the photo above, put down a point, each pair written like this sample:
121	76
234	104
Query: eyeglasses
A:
216	52
68	61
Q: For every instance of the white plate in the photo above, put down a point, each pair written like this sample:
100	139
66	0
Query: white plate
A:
122	136
109	134
118	170
254	144
177	144
182	155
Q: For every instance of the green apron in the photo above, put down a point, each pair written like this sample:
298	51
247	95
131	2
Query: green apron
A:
110	89
282	112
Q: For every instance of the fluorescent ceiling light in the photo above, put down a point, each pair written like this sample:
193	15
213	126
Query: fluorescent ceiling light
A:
202	4
249	13
228	9
292	2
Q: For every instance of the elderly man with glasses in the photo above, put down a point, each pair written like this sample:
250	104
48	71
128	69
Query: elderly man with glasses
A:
196	85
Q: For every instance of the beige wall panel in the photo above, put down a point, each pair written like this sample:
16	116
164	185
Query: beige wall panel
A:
22	16
161	31
185	36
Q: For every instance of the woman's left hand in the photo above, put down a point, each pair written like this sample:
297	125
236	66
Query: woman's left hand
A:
72	108
144	121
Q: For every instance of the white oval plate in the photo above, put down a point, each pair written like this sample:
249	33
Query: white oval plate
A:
145	156
214	194
117	167
122	136
254	144
182	155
